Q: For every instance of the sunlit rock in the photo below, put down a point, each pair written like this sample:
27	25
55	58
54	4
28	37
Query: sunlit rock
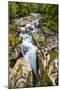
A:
21	74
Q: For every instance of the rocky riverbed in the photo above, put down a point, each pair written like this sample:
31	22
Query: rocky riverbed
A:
36	59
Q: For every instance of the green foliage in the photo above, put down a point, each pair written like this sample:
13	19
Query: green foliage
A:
25	8
14	39
21	9
17	9
50	23
48	9
50	19
12	10
13	28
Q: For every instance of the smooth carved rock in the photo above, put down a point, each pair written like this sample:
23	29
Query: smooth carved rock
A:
21	74
53	71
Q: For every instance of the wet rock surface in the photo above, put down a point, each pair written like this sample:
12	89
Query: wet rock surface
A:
39	55
47	57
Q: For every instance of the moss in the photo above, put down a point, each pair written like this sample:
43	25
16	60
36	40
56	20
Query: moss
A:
12	26
53	55
14	38
44	79
13	29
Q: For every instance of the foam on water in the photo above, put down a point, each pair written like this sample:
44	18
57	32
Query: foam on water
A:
27	48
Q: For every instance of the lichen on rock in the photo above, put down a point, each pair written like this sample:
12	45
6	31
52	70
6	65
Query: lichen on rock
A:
21	74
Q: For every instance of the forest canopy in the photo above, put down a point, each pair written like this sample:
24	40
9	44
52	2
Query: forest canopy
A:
50	11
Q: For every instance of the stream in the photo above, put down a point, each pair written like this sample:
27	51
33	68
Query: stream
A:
30	25
28	49
35	40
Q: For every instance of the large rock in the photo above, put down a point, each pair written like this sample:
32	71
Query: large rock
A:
47	31
43	41
14	45
15	54
53	71
23	23
52	42
38	38
21	74
44	78
47	56
48	64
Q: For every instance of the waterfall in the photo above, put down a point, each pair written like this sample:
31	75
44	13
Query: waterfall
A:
28	50
31	55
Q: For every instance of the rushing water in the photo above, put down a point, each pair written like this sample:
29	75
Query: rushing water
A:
27	48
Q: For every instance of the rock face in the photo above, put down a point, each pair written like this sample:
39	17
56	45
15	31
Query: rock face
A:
21	74
53	71
48	68
15	54
47	58
47	31
42	70
38	38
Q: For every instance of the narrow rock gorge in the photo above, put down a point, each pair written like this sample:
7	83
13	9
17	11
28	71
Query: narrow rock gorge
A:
34	62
